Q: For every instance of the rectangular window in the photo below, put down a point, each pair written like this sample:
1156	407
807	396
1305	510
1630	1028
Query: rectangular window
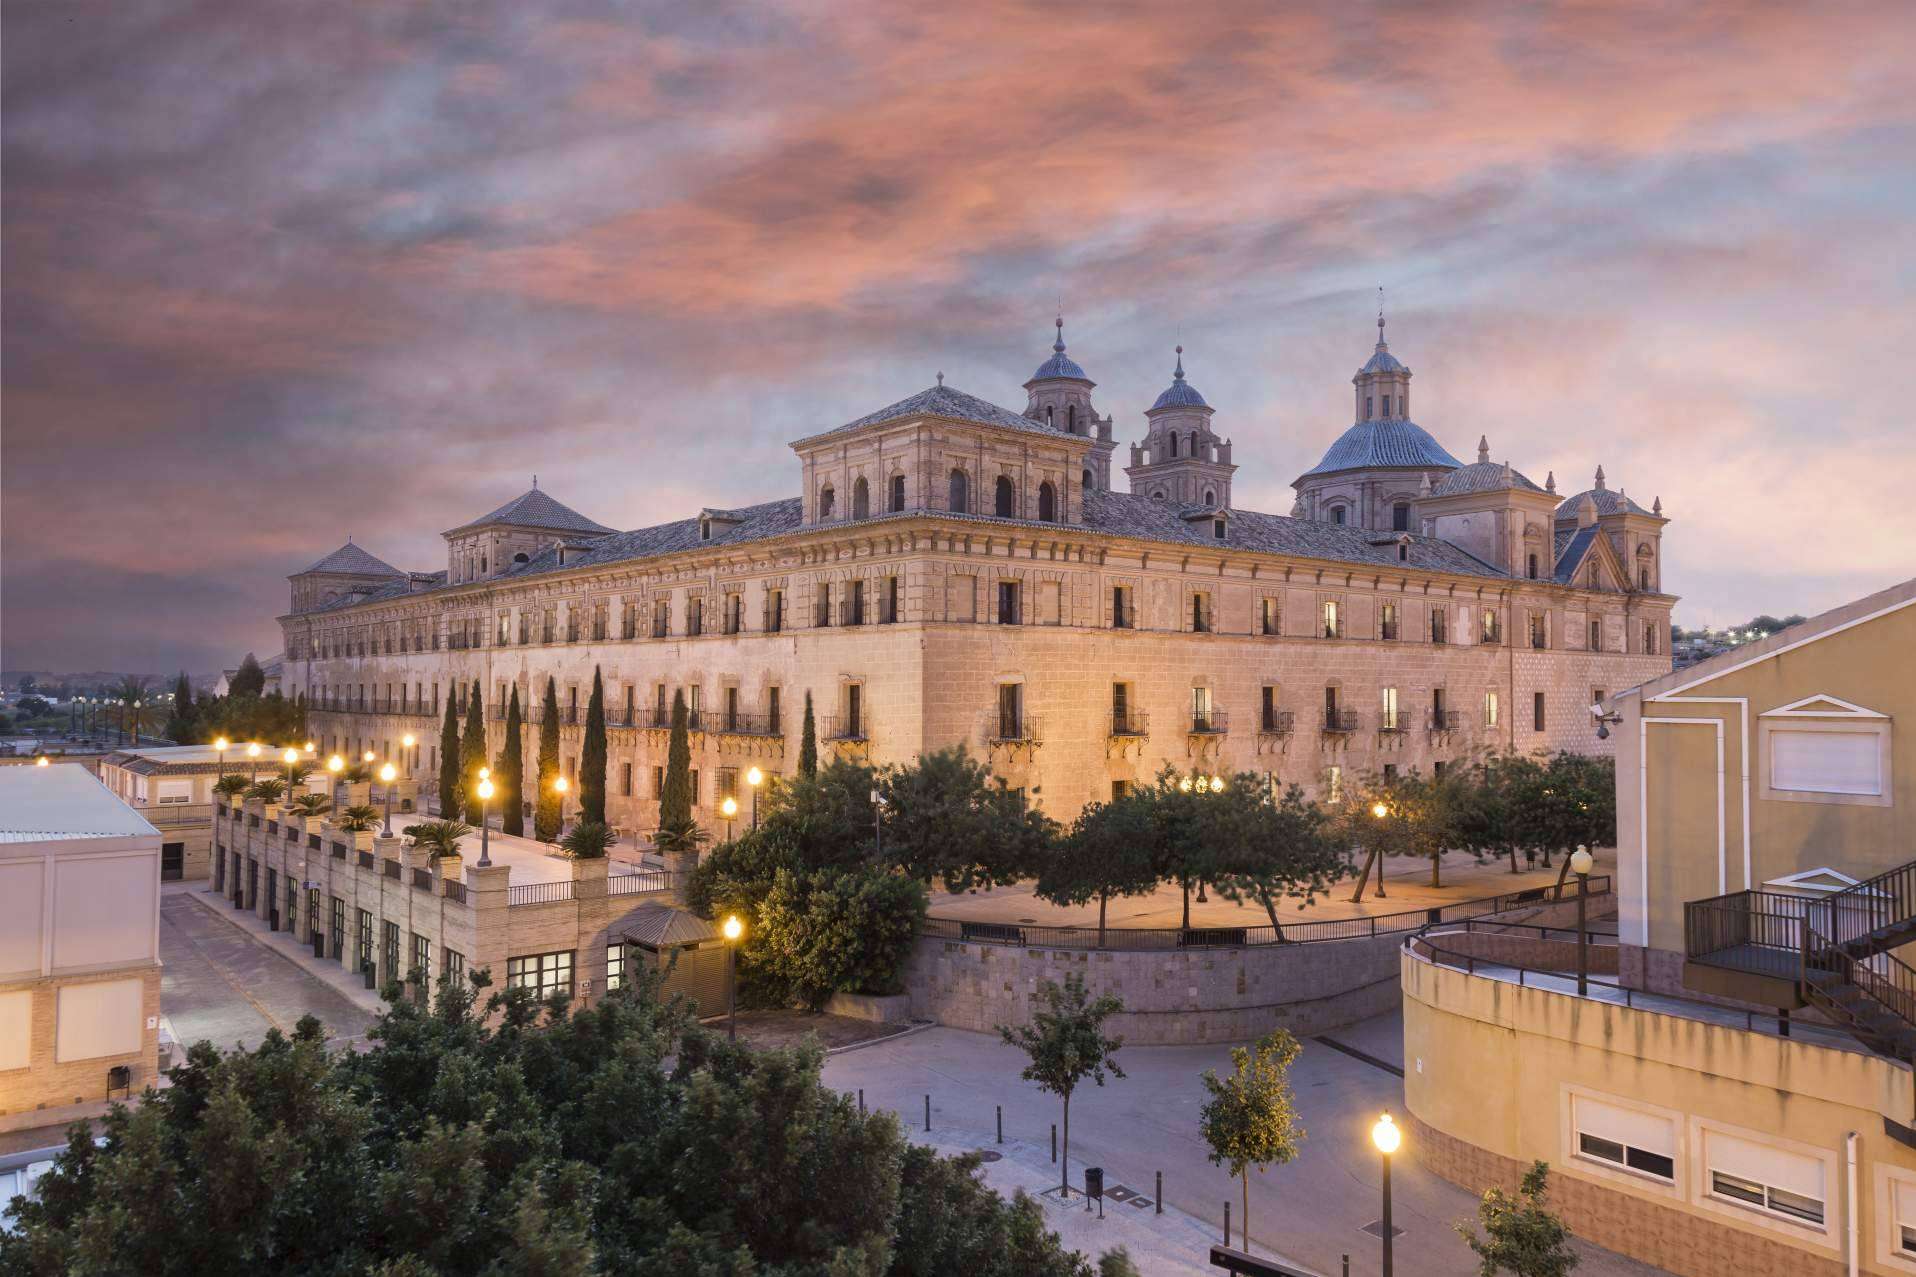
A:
890	616
1333	626
545	973
614	966
731	709
661	618
455	964
1388	710
1779	1183
1826	762
390	953
1387	621
1119	788
1270	620
1334	784
772	716
1011	711
1439	624
1539	630
854	711
1536	711
1624	1138
421	960
694	616
338	931
625	779
1650	637
693	785
1490	709
1200	612
822	607
1269	708
1596	635
1491	632
774	611
1121	618
658	782
1008	600
857	616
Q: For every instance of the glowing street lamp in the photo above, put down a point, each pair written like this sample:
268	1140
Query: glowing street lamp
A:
387	775
559	786
252	754
408	740
1386	1137
732	929
221	744
42	761
485	828
755	778
291	759
729	810
1581	862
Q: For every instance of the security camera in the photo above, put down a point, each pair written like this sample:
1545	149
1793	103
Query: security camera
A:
1603	731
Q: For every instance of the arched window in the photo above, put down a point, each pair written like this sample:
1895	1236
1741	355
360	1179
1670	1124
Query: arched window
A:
521	557
861	499
827	502
1210	496
1337	514
1047	503
960	493
1048	418
1400	517
1643	578
1086	479
1174	443
1071	418
1006	499
1367	407
1157	494
898	494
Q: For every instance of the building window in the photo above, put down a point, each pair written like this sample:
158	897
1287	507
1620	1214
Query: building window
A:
1200	612
772	718
822	609
1840	759
898	494
1650	637
1008	603
661	618
1121	617
857	609
544	973
1492	632
1334	784
1530	566
1333	626
1268	717
1596	635
1778	1183
694	616
1005	499
1337	514
1536	711
1490	709
1202	717
827	502
861	499
658	782
1539	630
625	779
455	966
1387	621
960	493
1047	503
421	961
1439	623
774	611
1621	1138
854	711
1369	407
1400	517
734	613
1217	529
1011	715
614	966
1270	618
1387	709
1643	579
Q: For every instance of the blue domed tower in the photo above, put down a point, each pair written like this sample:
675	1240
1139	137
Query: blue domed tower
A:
1181	460
1372	476
1060	396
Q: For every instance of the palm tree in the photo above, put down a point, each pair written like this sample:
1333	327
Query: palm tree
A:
589	840
440	837
357	773
359	818
296	774
683	836
311	805
135	710
268	789
230	785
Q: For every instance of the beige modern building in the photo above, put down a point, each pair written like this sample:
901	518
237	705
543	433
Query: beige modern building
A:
532	916
172	786
79	945
953	572
1739	1102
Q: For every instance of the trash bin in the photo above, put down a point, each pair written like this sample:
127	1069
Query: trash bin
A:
366	969
1094	1181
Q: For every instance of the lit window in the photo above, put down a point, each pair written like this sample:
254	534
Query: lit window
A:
545	974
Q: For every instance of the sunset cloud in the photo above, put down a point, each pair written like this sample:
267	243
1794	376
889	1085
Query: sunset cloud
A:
277	275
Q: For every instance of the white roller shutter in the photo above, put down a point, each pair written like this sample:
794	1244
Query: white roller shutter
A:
1826	762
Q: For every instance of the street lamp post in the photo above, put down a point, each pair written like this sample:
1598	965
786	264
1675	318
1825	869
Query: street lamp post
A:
386	776
878	822
560	785
290	758
221	744
733	929
1378	812
252	755
755	778
1386	1137
335	765
405	757
136	722
729	810
1580	863
485	827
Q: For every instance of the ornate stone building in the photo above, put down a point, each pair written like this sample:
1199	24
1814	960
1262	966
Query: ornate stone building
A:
953	572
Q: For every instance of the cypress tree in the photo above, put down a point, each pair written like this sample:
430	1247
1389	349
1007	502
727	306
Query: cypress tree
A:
592	756
808	742
675	804
451	793
545	808
472	754
182	727
511	777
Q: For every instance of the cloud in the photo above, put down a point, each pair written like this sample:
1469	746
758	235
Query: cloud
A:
274	279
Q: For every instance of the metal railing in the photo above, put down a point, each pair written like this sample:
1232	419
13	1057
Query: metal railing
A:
339	850
1012	729
1340	720
1209	722
1277	722
1130	722
645	882
1025	935
744	724
421	879
1393	721
844	727
539	893
365	860
1443	720
390	868
1758	931
455	891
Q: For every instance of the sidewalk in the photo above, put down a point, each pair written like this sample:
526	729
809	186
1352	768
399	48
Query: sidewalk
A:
350	986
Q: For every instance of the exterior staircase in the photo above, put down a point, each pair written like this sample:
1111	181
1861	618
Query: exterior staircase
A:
1836	951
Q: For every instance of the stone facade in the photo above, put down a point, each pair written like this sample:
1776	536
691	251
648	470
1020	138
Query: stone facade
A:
957	573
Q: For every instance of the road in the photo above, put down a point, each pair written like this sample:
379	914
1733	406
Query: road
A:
1314	1209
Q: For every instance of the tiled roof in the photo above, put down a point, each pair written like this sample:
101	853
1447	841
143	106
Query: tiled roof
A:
755	524
1382	361
660	926
392	590
1384	444
1609	501
1481	476
350	558
1572	547
534	509
1125	514
944	401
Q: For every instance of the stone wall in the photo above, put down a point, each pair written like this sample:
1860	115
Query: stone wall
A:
1520	950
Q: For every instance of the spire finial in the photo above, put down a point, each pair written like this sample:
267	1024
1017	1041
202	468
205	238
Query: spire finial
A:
535	482
1058	346
1550	481
1599	478
1483	449
1656	506
1179	374
1380	317
941	376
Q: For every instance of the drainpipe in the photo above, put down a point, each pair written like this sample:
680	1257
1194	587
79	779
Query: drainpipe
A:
1849	1156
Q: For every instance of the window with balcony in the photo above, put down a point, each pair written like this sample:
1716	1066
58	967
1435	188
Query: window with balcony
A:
854	711
1201	620
1204	716
1388	718
1270	716
731	709
1125	720
774	723
1011	711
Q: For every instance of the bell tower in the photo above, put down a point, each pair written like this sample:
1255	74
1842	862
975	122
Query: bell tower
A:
1181	460
1059	395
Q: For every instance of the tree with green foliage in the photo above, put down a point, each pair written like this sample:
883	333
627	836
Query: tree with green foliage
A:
179	724
230	786
1107	853
946	818
472	754
509	777
592	755
1066	1044
1487	818
1251	1118
358	818
838	931
548	807
1521	1236
452	798
589	840
248	680
493	1133
675	801
438	837
808	741
1270	848
267	789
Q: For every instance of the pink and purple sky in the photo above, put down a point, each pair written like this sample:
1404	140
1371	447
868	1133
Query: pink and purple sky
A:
277	273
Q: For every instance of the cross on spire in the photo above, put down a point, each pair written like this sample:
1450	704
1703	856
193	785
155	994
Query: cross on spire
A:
1178	375
1380	317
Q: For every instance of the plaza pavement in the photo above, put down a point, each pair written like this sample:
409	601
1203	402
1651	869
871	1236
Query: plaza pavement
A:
1406	883
1312	1210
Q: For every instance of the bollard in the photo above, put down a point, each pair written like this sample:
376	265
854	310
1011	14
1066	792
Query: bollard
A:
1227	1221
1347	1266
1054	1142
1158	1200
1001	1123
928	1113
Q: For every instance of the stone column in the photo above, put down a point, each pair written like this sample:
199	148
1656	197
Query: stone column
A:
486	894
392	905
594	908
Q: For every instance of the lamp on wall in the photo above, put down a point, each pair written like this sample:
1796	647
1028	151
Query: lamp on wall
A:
1604	720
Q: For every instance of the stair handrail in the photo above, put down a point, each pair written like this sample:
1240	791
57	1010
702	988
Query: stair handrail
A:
1891	985
1879	901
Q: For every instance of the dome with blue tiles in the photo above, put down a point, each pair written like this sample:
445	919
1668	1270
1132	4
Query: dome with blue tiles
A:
1384	445
1180	393
1060	364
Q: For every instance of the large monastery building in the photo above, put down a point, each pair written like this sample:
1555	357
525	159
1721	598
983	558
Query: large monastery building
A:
953	572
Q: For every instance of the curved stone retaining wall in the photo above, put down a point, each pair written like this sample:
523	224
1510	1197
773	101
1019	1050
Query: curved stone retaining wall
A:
1174	996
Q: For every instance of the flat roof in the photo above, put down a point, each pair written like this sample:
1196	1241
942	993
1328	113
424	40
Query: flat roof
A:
62	801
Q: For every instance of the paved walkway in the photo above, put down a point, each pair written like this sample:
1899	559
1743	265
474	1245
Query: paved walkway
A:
228	980
1314	1209
1406	884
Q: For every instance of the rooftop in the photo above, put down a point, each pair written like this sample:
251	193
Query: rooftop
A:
349	558
534	509
62	801
945	401
1384	444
